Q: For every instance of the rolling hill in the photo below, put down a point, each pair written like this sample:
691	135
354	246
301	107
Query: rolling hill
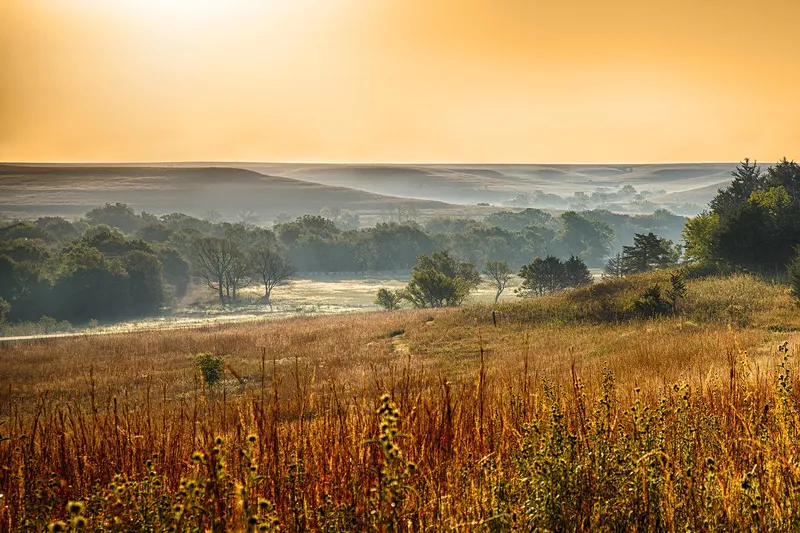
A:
470	184
28	190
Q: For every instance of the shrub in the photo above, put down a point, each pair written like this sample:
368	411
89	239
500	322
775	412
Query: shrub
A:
387	299
650	304
736	315
211	367
677	290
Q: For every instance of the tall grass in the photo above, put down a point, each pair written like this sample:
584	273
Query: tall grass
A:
531	425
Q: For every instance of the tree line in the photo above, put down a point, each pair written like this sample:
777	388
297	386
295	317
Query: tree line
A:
114	263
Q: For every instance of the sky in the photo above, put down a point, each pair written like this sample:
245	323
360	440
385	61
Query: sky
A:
493	81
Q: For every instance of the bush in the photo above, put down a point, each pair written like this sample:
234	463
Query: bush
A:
650	304
211	367
737	315
389	300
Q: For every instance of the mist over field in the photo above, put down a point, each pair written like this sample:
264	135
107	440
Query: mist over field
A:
369	190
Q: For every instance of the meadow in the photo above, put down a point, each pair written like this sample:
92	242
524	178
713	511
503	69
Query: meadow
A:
557	418
316	295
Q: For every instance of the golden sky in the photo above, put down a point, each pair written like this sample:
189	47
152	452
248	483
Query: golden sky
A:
399	80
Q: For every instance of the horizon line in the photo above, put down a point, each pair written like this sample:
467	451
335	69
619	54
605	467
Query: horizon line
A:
363	163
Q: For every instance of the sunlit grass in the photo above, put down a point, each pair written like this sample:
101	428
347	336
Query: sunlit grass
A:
492	447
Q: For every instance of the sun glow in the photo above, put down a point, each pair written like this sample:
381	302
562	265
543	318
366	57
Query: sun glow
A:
396	80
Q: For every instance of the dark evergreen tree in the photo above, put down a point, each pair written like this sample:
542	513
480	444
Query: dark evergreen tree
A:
647	252
577	273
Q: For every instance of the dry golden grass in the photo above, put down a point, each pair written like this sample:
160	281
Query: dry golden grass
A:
78	411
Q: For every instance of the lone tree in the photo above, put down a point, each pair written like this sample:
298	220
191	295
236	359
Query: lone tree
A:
239	274
439	280
271	267
648	251
389	300
213	259
500	273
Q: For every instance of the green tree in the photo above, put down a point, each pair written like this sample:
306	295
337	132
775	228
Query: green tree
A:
61	230
586	238
784	174
175	269
577	273
22	250
23	230
647	252
699	234
388	300
439	280
747	178
754	223
542	276
117	215
90	286
156	232
431	288
145	284
444	262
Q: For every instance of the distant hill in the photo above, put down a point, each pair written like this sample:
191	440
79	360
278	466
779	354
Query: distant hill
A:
700	195
470	184
70	190
268	189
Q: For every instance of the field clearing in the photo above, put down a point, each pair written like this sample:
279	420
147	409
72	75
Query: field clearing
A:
317	295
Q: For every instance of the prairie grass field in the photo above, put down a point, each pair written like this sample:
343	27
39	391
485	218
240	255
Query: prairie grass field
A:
565	416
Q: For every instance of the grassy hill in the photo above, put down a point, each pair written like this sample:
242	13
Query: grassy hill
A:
566	416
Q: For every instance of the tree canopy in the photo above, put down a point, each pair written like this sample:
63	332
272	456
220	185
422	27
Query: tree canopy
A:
752	224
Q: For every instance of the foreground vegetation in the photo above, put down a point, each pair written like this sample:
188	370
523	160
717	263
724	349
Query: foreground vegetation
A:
566	421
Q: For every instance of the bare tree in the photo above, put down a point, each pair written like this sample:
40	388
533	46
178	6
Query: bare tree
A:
239	275
500	273
213	258
273	269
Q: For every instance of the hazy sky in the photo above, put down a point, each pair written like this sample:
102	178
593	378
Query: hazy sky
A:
399	80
